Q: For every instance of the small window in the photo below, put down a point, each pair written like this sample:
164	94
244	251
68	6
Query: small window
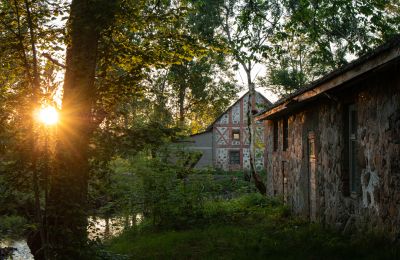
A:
285	134
351	177
275	136
234	157
352	146
236	134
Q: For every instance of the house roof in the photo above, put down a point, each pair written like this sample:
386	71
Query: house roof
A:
209	128
366	63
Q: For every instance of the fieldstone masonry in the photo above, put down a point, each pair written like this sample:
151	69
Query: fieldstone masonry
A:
376	202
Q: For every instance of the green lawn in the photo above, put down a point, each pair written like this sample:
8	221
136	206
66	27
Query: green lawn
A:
249	227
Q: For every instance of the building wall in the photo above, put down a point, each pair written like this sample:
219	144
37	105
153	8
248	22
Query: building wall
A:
315	186
235	119
203	143
196	143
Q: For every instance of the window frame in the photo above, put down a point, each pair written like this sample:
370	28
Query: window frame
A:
236	131
285	134
354	178
238	157
351	177
275	135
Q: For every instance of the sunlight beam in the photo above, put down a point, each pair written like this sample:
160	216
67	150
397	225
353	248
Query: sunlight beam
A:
48	115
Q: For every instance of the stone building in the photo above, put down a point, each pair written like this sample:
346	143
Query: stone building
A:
225	142
333	147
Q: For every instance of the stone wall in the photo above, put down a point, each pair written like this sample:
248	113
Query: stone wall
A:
377	203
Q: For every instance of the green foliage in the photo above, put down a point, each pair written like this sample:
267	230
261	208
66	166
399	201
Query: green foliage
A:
154	59
250	227
169	195
136	53
247	26
319	36
229	184
202	89
244	208
164	196
97	251
12	226
193	92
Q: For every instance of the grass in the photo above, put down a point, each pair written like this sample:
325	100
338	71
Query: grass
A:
249	227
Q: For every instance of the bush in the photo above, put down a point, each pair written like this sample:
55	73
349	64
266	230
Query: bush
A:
12	226
161	192
173	196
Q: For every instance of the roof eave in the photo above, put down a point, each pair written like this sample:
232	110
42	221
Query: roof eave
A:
323	86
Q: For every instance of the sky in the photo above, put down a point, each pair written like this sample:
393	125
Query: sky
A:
259	70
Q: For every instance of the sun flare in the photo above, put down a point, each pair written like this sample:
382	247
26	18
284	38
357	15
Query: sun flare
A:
48	115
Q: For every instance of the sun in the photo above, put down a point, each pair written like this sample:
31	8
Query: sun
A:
48	115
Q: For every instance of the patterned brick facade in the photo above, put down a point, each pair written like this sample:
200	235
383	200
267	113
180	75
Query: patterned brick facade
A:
231	135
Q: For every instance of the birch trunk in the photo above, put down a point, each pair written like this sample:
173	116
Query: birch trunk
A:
252	134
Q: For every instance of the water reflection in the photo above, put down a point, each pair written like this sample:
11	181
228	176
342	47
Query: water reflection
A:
22	251
105	228
99	228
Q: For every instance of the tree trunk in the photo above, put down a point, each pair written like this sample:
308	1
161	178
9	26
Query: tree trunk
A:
38	247
252	134
182	94
67	220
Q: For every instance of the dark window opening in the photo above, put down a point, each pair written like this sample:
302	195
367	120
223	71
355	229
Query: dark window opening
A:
285	134
236	134
351	178
275	136
234	157
354	177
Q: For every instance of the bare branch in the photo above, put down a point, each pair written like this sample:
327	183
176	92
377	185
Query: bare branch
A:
56	62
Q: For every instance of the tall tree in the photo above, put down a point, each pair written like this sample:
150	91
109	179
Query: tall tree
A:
206	81
319	36
67	218
200	91
26	30
248	26
111	47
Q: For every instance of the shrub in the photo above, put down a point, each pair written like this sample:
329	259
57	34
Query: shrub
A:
12	226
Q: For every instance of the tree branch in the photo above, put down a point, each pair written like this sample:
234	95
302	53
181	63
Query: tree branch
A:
56	62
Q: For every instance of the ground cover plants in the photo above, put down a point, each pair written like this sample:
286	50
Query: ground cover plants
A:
207	216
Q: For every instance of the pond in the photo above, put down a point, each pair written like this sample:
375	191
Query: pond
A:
105	228
99	228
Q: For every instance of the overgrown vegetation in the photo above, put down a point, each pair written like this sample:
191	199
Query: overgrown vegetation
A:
12	226
163	192
137	73
211	214
247	227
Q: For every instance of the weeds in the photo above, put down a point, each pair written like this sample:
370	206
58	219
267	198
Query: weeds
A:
249	227
212	215
12	226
